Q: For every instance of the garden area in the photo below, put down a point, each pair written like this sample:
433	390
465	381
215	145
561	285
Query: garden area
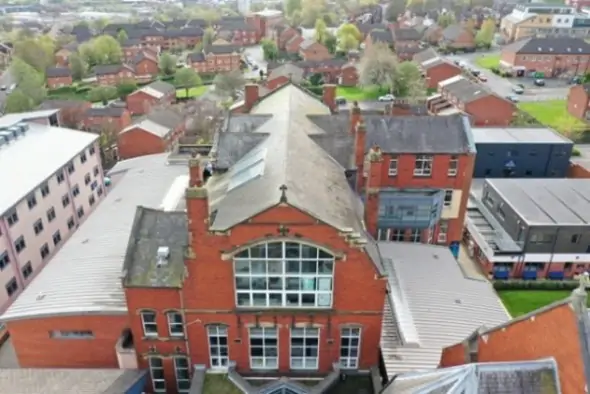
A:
219	383
554	114
520	302
356	93
488	62
192	92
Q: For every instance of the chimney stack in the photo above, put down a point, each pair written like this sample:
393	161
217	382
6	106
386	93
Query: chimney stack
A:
329	96
195	172
360	137
355	117
250	96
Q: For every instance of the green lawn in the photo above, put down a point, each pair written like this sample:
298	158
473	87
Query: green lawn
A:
355	93
192	92
488	62
554	114
219	383
520	302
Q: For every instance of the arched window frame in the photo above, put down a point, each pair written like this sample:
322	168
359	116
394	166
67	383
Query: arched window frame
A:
284	273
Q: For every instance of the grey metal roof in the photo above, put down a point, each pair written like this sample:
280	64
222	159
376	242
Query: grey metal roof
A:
452	32
434	305
84	277
384	36
465	90
165	117
515	135
54	147
518	377
550	46
419	134
406	34
546	201
68	381
281	164
152	229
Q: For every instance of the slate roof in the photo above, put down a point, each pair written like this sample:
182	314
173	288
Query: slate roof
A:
114	112
143	56
465	90
365	28
109	69
406	34
130	42
550	45
452	32
223	49
58	72
196	57
61	103
290	70
289	130
307	64
160	87
419	134
235	24
184	32
151	230
165	117
518	377
381	36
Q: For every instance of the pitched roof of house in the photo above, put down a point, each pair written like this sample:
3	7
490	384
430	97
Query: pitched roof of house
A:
290	70
365	28
143	55
112	112
305	44
223	49
452	32
381	36
110	69
157	89
58	72
130	42
465	90
406	34
61	103
550	45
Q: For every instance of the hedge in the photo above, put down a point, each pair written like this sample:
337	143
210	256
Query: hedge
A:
536	284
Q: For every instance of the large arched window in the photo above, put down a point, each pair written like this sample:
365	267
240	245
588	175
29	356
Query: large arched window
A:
284	274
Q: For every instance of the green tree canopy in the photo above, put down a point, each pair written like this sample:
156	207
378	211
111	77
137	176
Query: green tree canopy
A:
102	94
167	63
122	36
36	52
446	19
126	87
101	50
18	101
78	66
321	30
187	78
378	66
486	33
408	81
229	83
269	48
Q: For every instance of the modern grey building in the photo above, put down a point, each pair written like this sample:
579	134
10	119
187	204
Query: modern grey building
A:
521	152
530	227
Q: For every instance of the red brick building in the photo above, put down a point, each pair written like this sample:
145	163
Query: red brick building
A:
113	74
241	31
62	56
156	93
145	65
578	101
71	112
112	118
216	58
406	42
156	132
293	45
552	56
314	51
461	95
58	77
282	35
457	37
131	48
435	68
338	71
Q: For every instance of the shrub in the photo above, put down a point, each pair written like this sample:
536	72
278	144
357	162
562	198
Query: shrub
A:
83	89
536	284
62	90
576	152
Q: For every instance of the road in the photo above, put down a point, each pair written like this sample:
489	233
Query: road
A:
255	53
555	89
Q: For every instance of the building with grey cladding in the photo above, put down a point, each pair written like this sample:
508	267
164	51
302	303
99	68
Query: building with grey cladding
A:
517	152
530	228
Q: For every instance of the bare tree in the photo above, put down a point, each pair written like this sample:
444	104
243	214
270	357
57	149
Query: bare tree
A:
202	119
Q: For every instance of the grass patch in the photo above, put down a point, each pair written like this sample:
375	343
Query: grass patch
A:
520	302
355	93
488	62
219	383
553	113
192	92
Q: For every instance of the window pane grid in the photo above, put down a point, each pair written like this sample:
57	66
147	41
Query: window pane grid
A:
350	340
157	374
175	324
284	274
218	346
264	348
182	373
150	326
305	344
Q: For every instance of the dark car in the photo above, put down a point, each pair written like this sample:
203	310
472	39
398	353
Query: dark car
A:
539	82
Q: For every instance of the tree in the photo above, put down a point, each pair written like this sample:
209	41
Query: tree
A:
34	88
21	70
446	19
408	81
37	52
485	35
270	50
126	87
187	78
102	94
291	6
394	9
78	66
348	43
108	139
167	64
208	37
122	36
316	79
101	50
204	118
378	66
311	11
321	30
17	101
99	24
229	83
349	29
331	42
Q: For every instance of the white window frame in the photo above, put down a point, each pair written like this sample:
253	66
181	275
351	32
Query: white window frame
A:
252	271
393	163
146	324
415	235
423	165
397	235
453	166
173	323
261	333
307	363
216	358
179	380
159	385
443	229
448	192
349	361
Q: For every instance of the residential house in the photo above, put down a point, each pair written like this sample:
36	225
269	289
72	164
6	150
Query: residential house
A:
131	48
544	20
82	33
556	56
145	98
284	74
58	77
62	56
187	37
313	50
293	45
433	34
220	41
457	38
216	58
563	336
366	28
113	74
460	94
242	33
530	228
406	42
145	65
435	68
382	36
41	210
71	112
283	34
578	101
337	70
156	132
111	119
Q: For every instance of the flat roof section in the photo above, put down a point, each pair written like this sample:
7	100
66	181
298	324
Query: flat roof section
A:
84	277
511	135
547	201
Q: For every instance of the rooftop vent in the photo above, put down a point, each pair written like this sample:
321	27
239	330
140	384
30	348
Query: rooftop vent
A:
6	135
569	49
163	254
550	49
15	131
24	127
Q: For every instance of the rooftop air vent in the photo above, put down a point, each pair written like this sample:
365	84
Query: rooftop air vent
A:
24	127
550	49
539	49
569	49
6	135
163	254
15	131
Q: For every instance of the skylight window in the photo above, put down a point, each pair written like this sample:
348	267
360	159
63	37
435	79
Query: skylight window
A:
253	157
249	167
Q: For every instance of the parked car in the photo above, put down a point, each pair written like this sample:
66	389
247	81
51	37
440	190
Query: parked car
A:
539	82
3	87
513	99
482	78
387	97
577	80
340	100
475	73
518	89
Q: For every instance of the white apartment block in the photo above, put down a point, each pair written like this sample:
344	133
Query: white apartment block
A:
51	178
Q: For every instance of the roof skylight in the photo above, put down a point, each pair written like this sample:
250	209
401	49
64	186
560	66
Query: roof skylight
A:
250	167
